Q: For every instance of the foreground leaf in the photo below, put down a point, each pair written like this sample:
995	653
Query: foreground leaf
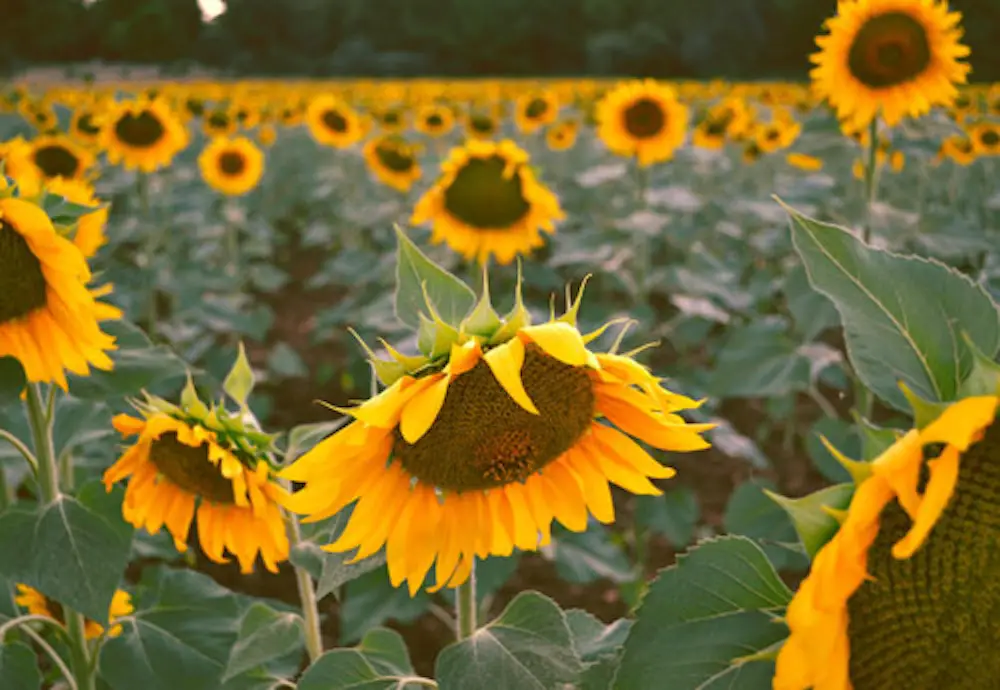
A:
450	297
528	647
380	662
701	616
12	381
265	635
903	316
599	647
19	667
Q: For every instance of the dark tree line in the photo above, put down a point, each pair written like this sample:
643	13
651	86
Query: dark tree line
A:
699	39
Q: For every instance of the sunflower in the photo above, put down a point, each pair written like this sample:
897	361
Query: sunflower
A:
231	166
40	605
730	118
642	119
534	110
219	122
561	135
48	316
780	133
894	57
904	594
474	448
266	135
392	120
88	232
487	201
191	462
39	114
959	149
481	124
85	125
985	137
333	123
393	161
804	162
60	156
143	134
435	120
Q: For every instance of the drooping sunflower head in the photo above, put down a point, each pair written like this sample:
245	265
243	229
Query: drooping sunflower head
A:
905	594
143	135
561	135
435	119
48	314
332	122
393	161
40	605
60	156
232	166
643	119
535	109
497	428
488	202
896	58
195	462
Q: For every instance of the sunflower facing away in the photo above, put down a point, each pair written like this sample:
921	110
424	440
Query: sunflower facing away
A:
332	122
231	166
906	594
143	135
642	119
393	161
894	57
48	316
478	445
189	462
40	605
488	201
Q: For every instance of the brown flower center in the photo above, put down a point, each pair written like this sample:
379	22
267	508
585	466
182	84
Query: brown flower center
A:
890	49
190	469
218	120
232	163
932	621
481	438
140	131
537	107
85	124
22	283
644	118
392	158
434	121
482	197
482	124
990	138
334	121
55	161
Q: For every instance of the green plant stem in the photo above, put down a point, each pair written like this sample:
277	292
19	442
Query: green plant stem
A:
20	447
871	178
6	497
307	595
40	418
465	606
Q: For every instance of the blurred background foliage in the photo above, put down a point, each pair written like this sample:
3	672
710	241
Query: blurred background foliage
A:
733	39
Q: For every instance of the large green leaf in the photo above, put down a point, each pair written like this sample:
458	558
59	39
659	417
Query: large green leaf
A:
751	513
702	616
331	570
759	360
379	662
528	647
674	514
138	364
450	297
583	557
599	647
73	550
12	381
265	635
903	316
19	667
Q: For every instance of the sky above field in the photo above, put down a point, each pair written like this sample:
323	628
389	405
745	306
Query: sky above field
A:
211	8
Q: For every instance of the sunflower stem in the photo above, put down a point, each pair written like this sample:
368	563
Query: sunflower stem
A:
307	594
6	497
152	244
465	606
41	416
871	179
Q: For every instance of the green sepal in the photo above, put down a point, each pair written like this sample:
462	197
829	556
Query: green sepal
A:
984	377
435	337
924	411
386	370
190	402
810	514
483	321
516	319
859	471
239	382
573	305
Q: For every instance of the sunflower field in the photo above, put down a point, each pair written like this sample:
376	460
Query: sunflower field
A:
507	384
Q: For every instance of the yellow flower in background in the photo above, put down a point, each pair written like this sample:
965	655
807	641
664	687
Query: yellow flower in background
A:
333	123
958	148
266	135
48	315
535	109
478	452
231	166
481	124
393	161
985	138
642	119
143	135
434	119
392	120
561	135
40	605
60	156
902	595
180	470
804	161
219	122
893	58
488	202
85	125
88	233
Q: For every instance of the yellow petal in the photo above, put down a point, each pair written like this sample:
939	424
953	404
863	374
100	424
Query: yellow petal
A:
505	362
959	424
421	411
940	487
560	341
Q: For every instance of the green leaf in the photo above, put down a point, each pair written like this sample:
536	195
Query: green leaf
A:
302	438
286	362
875	440
843	437
752	514
72	550
332	570
903	315
674	514
265	635
12	381
813	313
238	383
138	365
759	361
19	667
529	647
379	662
814	526
599	647
719	603
387	651
583	557
449	296
370	600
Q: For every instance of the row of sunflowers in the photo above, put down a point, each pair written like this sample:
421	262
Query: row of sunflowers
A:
183	267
